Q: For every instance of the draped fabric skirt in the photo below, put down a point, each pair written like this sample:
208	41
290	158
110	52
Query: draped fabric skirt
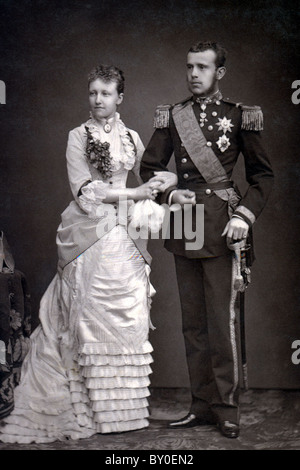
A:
88	367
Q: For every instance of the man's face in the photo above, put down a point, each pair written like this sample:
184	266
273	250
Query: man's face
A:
202	74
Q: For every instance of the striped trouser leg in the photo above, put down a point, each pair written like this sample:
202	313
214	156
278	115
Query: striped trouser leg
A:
220	300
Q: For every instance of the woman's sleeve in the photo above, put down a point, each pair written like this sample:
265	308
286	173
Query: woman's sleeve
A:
88	194
92	197
77	165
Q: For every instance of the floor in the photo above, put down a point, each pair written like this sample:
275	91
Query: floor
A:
270	420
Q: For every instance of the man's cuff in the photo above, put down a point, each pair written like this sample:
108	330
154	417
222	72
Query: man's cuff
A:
164	197
173	207
245	214
169	201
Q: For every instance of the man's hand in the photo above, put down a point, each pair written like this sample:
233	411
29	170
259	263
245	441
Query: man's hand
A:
166	178
183	196
236	229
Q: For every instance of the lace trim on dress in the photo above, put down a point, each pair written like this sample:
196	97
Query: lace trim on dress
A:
92	195
120	360
112	348
110	371
112	382
128	157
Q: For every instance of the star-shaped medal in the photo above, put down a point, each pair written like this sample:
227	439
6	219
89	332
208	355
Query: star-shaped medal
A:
224	124
223	143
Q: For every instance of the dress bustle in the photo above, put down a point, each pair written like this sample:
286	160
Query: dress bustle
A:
88	367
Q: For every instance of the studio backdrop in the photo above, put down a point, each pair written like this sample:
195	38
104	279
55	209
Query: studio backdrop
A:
47	50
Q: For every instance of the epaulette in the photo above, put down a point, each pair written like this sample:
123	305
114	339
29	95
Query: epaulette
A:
228	101
252	116
161	116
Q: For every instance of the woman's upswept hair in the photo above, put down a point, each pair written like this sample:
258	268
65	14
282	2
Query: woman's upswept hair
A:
108	73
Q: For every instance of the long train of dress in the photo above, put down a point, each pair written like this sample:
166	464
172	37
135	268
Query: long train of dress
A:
88	367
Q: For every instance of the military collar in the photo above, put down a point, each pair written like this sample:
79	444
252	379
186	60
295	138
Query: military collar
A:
216	97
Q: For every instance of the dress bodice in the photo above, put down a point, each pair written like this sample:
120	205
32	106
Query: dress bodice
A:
125	155
122	151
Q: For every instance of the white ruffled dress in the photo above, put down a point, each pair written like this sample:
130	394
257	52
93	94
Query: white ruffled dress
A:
88	367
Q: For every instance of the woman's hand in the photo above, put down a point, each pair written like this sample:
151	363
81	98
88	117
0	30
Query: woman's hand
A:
158	183
147	190
166	179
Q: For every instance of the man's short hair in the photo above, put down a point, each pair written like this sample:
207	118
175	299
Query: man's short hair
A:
108	73
221	53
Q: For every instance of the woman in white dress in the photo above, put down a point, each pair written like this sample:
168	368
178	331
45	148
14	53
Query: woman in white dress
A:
88	367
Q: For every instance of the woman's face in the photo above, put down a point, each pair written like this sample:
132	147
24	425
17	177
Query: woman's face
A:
104	99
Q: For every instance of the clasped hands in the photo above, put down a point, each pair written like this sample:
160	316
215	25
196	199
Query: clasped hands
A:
235	229
157	184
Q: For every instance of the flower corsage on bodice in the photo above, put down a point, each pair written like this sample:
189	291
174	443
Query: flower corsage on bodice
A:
102	155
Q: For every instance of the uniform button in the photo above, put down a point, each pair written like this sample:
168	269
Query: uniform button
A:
110	182
218	102
210	128
186	175
208	143
214	113
183	160
208	191
115	207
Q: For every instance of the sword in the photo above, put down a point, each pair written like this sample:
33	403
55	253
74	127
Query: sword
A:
243	340
242	280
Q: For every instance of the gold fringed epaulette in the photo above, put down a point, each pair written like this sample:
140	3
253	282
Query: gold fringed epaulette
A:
161	116
252	118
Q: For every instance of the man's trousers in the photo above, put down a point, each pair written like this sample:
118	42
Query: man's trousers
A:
209	329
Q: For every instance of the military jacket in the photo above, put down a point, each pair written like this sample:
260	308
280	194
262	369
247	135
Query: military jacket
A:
229	129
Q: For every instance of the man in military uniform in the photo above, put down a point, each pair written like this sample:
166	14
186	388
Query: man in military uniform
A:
207	134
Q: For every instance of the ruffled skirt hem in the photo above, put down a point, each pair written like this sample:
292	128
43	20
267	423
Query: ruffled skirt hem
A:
88	367
100	399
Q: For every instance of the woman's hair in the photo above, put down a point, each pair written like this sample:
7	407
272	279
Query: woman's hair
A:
108	73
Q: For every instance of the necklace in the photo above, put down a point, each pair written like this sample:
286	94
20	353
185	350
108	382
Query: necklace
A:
99	153
107	127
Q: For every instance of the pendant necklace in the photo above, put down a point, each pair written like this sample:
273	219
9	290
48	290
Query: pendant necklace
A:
107	127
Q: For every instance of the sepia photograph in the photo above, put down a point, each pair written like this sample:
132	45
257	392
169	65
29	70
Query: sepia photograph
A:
149	228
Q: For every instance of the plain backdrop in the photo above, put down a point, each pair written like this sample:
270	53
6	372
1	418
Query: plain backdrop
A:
47	50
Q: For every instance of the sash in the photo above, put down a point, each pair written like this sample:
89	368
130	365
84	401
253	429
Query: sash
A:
201	155
77	232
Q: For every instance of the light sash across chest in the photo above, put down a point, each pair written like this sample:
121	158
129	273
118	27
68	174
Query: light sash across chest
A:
200	153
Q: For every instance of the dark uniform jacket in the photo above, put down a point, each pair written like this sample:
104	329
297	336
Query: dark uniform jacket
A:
227	129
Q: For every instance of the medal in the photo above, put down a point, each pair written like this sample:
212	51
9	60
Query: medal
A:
224	125
107	127
223	143
203	115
